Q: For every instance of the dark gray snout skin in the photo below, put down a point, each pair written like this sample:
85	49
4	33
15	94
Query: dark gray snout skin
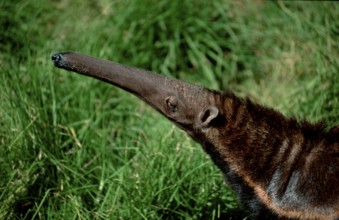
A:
162	93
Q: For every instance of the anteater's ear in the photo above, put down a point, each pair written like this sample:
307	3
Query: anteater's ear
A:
206	116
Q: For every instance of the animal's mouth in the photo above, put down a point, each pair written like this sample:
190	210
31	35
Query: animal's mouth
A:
59	61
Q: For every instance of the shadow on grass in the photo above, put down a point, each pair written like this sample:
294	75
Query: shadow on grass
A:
234	214
206	213
214	208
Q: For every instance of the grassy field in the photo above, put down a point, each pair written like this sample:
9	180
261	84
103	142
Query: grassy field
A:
75	148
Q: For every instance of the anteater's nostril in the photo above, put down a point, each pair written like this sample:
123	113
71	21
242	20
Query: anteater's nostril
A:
56	58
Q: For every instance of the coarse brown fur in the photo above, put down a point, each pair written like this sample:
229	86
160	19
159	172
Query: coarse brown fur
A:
277	166
280	168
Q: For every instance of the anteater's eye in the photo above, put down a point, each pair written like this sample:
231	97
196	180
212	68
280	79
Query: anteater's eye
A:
171	105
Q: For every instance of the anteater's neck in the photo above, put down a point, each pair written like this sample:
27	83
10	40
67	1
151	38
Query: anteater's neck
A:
254	141
263	151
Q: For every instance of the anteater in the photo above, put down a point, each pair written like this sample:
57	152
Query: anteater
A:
279	167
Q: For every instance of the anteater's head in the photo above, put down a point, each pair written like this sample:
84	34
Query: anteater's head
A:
192	108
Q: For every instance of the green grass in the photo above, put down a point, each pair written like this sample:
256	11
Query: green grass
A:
76	148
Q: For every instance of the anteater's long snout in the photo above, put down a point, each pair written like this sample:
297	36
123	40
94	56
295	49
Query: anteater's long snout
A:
114	73
139	82
152	88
